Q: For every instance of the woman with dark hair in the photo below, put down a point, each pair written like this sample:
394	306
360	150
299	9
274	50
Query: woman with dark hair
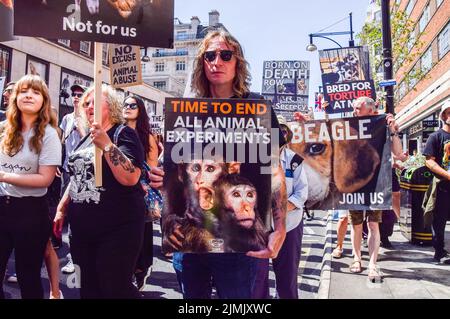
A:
136	117
30	151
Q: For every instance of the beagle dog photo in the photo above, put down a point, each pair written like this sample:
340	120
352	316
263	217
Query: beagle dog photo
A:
342	162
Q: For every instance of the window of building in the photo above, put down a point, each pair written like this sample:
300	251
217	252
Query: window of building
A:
426	61
159	67
438	3
424	19
377	16
402	90
182	51
410	7
160	85
64	42
5	61
181	66
85	47
411	40
443	41
413	77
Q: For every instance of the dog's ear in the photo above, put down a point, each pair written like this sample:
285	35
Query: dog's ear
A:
354	164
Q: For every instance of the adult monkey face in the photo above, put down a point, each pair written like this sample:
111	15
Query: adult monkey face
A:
203	173
241	199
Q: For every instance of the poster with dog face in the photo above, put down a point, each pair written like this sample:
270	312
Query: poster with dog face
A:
146	23
347	162
286	85
217	164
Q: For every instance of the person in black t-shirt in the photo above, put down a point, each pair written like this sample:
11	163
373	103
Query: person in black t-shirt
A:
437	152
107	222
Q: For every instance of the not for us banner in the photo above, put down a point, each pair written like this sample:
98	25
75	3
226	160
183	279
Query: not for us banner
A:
347	162
139	22
125	65
217	163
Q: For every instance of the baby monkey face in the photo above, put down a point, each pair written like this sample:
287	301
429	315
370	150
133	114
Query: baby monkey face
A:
241	199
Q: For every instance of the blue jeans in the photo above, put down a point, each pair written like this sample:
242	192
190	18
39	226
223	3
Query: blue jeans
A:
233	275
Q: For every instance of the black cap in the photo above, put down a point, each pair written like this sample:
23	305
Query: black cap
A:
79	87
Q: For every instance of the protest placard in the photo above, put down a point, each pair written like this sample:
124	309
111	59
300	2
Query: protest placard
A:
125	65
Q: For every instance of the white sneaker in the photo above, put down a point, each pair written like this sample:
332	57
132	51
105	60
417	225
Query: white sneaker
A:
69	267
60	295
12	279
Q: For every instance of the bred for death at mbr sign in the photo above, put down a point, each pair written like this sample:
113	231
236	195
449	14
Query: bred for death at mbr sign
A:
125	65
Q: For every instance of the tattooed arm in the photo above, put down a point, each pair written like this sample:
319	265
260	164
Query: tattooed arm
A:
121	166
123	170
279	206
436	168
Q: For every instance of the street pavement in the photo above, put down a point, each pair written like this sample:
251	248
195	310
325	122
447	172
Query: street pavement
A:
409	272
162	283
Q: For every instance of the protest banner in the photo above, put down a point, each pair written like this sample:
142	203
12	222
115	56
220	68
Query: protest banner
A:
144	23
2	83
147	23
345	65
6	20
347	162
286	85
156	124
125	65
341	96
217	163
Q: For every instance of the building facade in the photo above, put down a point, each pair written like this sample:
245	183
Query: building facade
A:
419	100
61	64
169	69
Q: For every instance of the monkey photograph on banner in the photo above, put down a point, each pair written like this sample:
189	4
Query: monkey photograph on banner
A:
147	23
217	163
347	162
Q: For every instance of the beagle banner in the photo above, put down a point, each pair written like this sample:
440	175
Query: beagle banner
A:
147	23
347	162
217	163
286	84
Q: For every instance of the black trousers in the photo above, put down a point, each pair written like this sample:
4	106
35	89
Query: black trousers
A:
105	256
286	264
441	215
25	226
145	259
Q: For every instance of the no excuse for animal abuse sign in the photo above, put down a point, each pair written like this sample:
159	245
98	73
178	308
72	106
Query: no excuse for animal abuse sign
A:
140	22
347	162
125	65
217	159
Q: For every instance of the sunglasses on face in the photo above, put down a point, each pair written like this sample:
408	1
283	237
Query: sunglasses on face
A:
78	95
131	106
225	55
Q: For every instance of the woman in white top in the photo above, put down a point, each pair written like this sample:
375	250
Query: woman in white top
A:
30	151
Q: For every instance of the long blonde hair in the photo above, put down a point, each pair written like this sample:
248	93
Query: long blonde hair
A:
11	135
241	83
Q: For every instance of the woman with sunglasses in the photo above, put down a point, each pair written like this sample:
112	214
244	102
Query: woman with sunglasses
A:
136	117
30	151
221	71
106	222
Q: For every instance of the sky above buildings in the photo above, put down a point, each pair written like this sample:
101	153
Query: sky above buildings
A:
278	29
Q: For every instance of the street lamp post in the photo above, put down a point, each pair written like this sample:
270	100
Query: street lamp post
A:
312	47
387	54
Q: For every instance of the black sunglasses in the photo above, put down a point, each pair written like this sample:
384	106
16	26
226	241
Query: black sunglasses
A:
225	55
132	106
78	95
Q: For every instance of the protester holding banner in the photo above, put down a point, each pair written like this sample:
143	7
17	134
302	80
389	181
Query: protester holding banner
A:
30	151
286	264
221	72
365	106
437	151
107	222
136	117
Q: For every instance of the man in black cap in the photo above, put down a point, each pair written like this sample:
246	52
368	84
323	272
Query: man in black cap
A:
72	133
6	94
